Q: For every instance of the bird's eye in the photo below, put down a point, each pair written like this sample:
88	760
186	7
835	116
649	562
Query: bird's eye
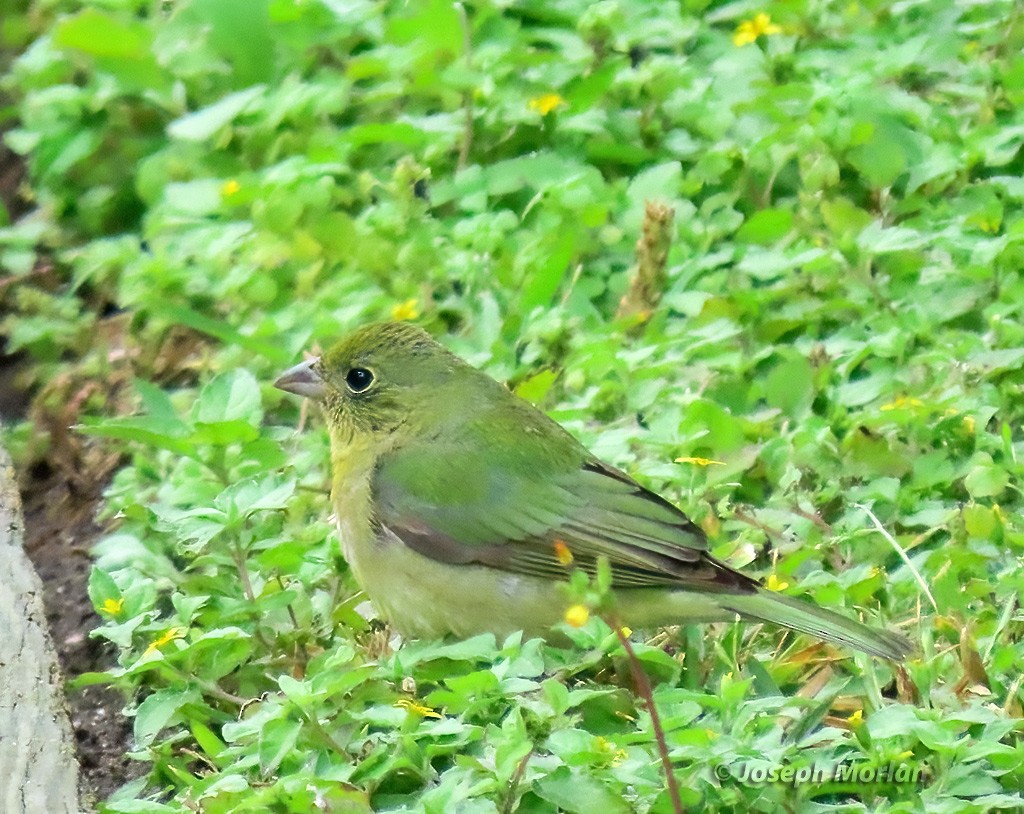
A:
359	379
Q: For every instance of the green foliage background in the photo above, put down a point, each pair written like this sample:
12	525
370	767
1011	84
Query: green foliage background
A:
219	185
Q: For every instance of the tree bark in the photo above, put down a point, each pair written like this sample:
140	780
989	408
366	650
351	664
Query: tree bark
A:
38	764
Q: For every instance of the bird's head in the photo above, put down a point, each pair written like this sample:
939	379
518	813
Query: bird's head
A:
378	381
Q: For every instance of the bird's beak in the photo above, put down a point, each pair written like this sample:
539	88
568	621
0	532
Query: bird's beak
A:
302	380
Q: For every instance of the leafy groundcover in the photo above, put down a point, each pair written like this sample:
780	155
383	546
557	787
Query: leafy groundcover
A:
828	378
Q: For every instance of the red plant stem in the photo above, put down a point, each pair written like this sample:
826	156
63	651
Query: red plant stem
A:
643	685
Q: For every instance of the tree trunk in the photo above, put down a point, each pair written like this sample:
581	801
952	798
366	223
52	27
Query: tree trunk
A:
38	765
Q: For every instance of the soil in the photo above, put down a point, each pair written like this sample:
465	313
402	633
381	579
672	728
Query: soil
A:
12	173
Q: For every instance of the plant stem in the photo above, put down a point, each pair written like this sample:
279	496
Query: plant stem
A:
513	783
643	685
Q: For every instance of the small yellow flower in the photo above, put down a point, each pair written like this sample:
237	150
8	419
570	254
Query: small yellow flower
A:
901	403
562	553
112	606
230	188
749	30
546	103
419	709
616	754
856	719
626	631
405	311
699	461
169	636
968	423
773	583
577	615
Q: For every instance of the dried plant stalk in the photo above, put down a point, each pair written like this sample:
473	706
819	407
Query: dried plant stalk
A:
648	277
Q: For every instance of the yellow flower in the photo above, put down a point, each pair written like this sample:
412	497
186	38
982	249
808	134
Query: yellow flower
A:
901	403
419	709
562	553
545	103
577	615
749	30
699	461
405	311
626	631
616	754
230	188
169	636
775	584
856	719
112	606
969	424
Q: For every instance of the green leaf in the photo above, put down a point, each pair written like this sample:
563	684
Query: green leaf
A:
204	123
158	710
143	430
94	32
298	692
207	740
573	791
986	480
543	282
102	587
240	31
980	521
880	239
537	386
886	153
190	318
139	807
385	133
661	182
277	739
790	386
230	396
766	226
256	494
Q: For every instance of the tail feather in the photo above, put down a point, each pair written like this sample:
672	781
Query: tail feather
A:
778	609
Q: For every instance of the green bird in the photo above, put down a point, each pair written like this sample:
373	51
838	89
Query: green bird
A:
461	507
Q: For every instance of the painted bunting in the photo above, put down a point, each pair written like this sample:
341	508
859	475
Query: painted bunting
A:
461	507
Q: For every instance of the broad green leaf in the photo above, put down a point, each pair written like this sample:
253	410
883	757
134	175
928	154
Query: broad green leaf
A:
766	226
230	396
574	791
157	711
986	480
276	740
104	35
202	124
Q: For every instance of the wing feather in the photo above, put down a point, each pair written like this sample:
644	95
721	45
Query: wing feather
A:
495	494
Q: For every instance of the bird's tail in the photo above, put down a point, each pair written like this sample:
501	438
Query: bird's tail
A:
768	606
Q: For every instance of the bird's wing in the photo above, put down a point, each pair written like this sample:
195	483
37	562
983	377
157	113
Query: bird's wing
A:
512	490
